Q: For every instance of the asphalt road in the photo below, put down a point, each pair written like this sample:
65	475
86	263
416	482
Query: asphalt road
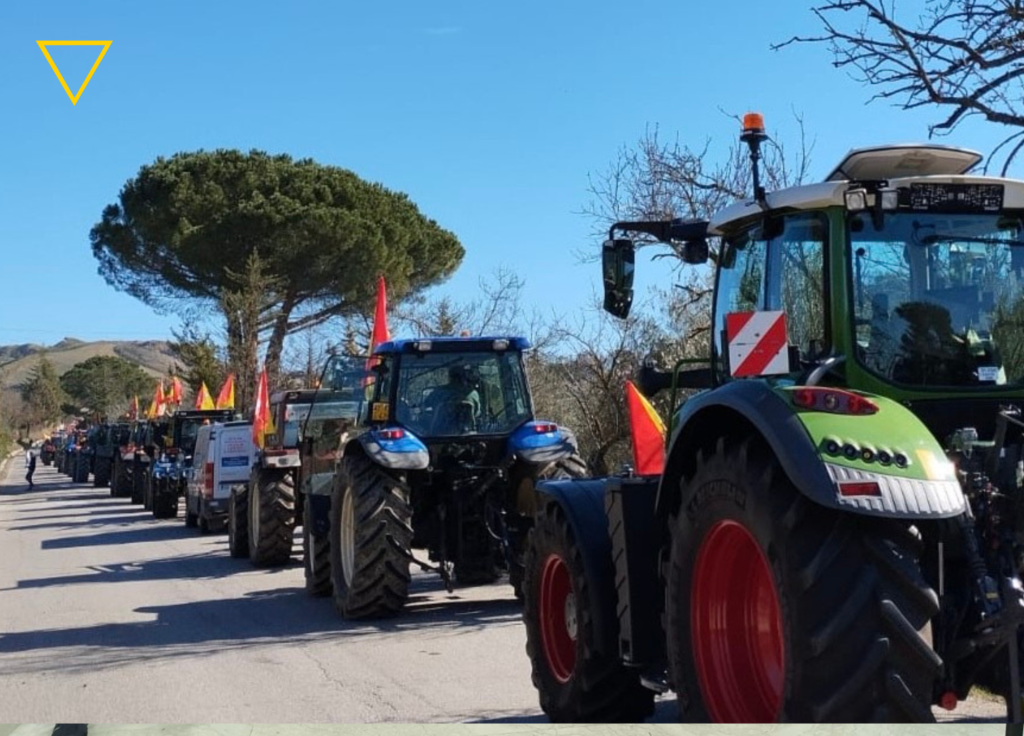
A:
110	616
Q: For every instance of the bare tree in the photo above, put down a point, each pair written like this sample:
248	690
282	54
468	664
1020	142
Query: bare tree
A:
961	56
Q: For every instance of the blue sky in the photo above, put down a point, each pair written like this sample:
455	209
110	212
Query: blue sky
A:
489	115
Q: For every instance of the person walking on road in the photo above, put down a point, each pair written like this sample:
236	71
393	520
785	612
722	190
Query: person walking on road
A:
31	469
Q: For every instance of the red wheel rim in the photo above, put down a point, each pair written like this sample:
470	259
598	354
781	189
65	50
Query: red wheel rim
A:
736	628
558	618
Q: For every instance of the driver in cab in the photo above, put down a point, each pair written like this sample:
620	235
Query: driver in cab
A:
456	405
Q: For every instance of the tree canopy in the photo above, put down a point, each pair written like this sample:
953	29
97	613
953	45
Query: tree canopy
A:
322	231
106	384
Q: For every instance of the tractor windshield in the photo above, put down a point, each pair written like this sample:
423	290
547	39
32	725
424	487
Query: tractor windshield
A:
938	299
318	419
445	394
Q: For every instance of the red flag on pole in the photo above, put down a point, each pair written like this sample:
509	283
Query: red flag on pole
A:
380	316
262	421
381	333
648	433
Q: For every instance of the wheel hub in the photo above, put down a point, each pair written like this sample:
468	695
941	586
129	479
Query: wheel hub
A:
736	627
558	618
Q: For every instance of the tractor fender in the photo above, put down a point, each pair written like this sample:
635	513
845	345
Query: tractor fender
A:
405	451
531	444
755	407
582	502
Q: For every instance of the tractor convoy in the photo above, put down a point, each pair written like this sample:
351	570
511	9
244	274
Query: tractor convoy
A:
835	532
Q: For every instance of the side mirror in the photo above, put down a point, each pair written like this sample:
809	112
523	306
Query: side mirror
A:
617	261
695	252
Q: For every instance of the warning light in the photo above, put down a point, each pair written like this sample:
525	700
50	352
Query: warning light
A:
753	122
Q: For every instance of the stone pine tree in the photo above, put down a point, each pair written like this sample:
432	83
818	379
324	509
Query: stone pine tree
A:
183	223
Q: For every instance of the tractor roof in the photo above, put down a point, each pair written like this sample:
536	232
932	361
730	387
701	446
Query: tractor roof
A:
453	345
899	165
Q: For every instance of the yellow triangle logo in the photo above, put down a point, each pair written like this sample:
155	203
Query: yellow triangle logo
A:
44	44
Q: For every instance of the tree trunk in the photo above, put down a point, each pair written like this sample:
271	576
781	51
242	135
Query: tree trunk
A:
275	346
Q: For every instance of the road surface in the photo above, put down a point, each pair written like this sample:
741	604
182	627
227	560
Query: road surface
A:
110	616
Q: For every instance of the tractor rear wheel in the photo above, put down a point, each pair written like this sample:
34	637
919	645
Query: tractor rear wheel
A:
575	682
371	540
165	500
238	523
316	555
778	609
271	519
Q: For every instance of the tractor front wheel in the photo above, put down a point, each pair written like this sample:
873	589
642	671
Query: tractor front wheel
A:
778	609
371	540
575	681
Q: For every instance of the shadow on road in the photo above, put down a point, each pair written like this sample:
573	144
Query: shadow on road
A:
280	617
153	532
78	522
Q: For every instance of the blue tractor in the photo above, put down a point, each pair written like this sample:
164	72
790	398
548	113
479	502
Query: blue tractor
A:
446	462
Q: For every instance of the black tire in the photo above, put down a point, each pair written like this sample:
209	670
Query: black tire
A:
191	518
165	500
147	492
81	470
238	524
378	520
271	519
575	682
138	494
101	473
316	556
853	609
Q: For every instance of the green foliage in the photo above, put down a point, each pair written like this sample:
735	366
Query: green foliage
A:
42	393
198	359
106	384
323	231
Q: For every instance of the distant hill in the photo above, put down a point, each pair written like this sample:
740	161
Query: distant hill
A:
17	361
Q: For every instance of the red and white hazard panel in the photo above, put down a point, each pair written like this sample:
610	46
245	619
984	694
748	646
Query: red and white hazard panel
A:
757	343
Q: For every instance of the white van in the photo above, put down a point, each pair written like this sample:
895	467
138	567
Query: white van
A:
222	459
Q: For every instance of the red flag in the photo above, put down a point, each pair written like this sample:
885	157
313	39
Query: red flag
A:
262	422
135	407
648	433
381	333
380	316
226	397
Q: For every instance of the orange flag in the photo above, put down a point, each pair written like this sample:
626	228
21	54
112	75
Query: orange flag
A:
226	397
203	399
158	406
262	421
175	397
648	433
135	407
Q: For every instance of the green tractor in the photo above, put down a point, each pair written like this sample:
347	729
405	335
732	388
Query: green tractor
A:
837	533
291	482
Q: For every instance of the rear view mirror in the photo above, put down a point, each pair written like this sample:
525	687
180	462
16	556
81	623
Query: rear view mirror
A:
695	252
617	261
